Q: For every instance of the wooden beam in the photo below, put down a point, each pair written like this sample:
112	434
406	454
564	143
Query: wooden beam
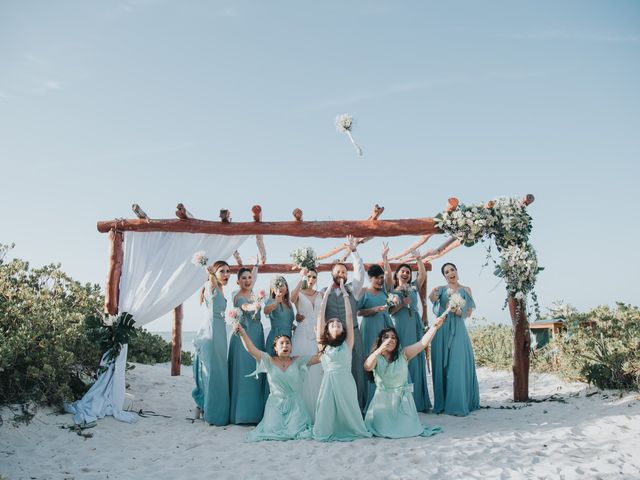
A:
112	287
322	229
323	267
521	350
176	341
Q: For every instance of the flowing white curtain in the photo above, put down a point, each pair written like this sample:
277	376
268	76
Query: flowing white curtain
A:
157	275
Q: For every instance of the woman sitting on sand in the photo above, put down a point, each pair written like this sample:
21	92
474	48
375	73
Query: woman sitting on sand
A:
338	416
392	412
285	415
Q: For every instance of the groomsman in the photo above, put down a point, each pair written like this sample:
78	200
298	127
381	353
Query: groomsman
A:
336	309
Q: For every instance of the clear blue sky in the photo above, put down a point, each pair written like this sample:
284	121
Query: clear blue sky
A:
228	104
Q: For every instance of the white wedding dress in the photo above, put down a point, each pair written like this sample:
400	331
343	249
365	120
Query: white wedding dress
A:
304	343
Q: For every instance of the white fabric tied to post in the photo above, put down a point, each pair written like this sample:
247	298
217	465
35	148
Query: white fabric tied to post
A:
157	275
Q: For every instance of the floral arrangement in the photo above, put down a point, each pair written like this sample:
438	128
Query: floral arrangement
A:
233	317
344	123
111	332
456	302
393	300
405	290
304	258
505	220
200	259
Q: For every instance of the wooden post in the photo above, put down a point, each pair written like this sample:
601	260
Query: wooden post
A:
521	350
176	341
112	287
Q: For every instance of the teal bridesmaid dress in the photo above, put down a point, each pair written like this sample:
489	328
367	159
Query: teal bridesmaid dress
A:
247	393
410	330
281	324
455	384
338	416
371	327
210	371
285	415
392	412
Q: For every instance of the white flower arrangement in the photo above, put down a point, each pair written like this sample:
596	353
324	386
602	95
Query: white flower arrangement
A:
456	302
304	258
393	300
200	259
519	267
233	317
344	124
405	290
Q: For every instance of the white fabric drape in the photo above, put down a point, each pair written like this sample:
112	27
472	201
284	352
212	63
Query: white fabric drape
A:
157	275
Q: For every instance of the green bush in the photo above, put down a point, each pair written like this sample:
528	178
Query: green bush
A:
44	351
601	347
148	347
46	354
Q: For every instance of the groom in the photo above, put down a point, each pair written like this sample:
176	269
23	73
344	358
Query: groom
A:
336	309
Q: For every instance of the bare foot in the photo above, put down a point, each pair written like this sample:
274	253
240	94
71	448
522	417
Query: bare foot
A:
198	413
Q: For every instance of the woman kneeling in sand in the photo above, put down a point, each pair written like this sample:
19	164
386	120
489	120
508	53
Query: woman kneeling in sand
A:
285	415
392	412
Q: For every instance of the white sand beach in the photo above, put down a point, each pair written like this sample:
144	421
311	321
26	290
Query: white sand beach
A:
577	432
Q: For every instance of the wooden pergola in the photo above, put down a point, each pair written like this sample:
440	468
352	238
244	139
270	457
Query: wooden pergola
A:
363	230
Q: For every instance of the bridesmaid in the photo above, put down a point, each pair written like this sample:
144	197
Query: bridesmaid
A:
372	307
210	373
455	384
247	394
392	413
285	416
280	312
410	327
307	301
338	416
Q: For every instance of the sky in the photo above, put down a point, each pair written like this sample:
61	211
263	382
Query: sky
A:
230	104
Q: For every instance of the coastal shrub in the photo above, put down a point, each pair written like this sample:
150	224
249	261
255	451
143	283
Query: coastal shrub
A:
492	344
46	352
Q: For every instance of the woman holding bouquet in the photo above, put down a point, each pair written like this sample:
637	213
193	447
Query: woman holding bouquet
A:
410	328
455	384
280	312
307	301
373	309
247	393
210	372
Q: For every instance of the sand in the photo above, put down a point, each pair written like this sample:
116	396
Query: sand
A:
578	432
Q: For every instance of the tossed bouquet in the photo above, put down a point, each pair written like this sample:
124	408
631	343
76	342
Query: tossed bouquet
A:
304	258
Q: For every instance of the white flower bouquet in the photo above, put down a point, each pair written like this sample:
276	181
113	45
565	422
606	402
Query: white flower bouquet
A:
344	123
304	258
200	259
393	300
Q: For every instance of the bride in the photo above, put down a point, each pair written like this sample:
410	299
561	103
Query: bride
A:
307	301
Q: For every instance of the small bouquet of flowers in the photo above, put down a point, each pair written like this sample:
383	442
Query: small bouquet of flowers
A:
233	318
405	291
200	259
258	301
393	300
456	302
344	123
304	258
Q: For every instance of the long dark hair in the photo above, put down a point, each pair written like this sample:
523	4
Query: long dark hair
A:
394	354
445	265
327	340
395	274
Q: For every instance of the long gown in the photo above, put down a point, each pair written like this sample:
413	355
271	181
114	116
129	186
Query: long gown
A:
338	416
281	319
305	343
410	330
247	393
371	326
285	415
455	384
392	412
210	372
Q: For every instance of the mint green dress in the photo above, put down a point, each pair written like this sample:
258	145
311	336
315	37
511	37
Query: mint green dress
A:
371	326
285	415
453	367
210	370
247	393
392	412
281	324
338	416
410	330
